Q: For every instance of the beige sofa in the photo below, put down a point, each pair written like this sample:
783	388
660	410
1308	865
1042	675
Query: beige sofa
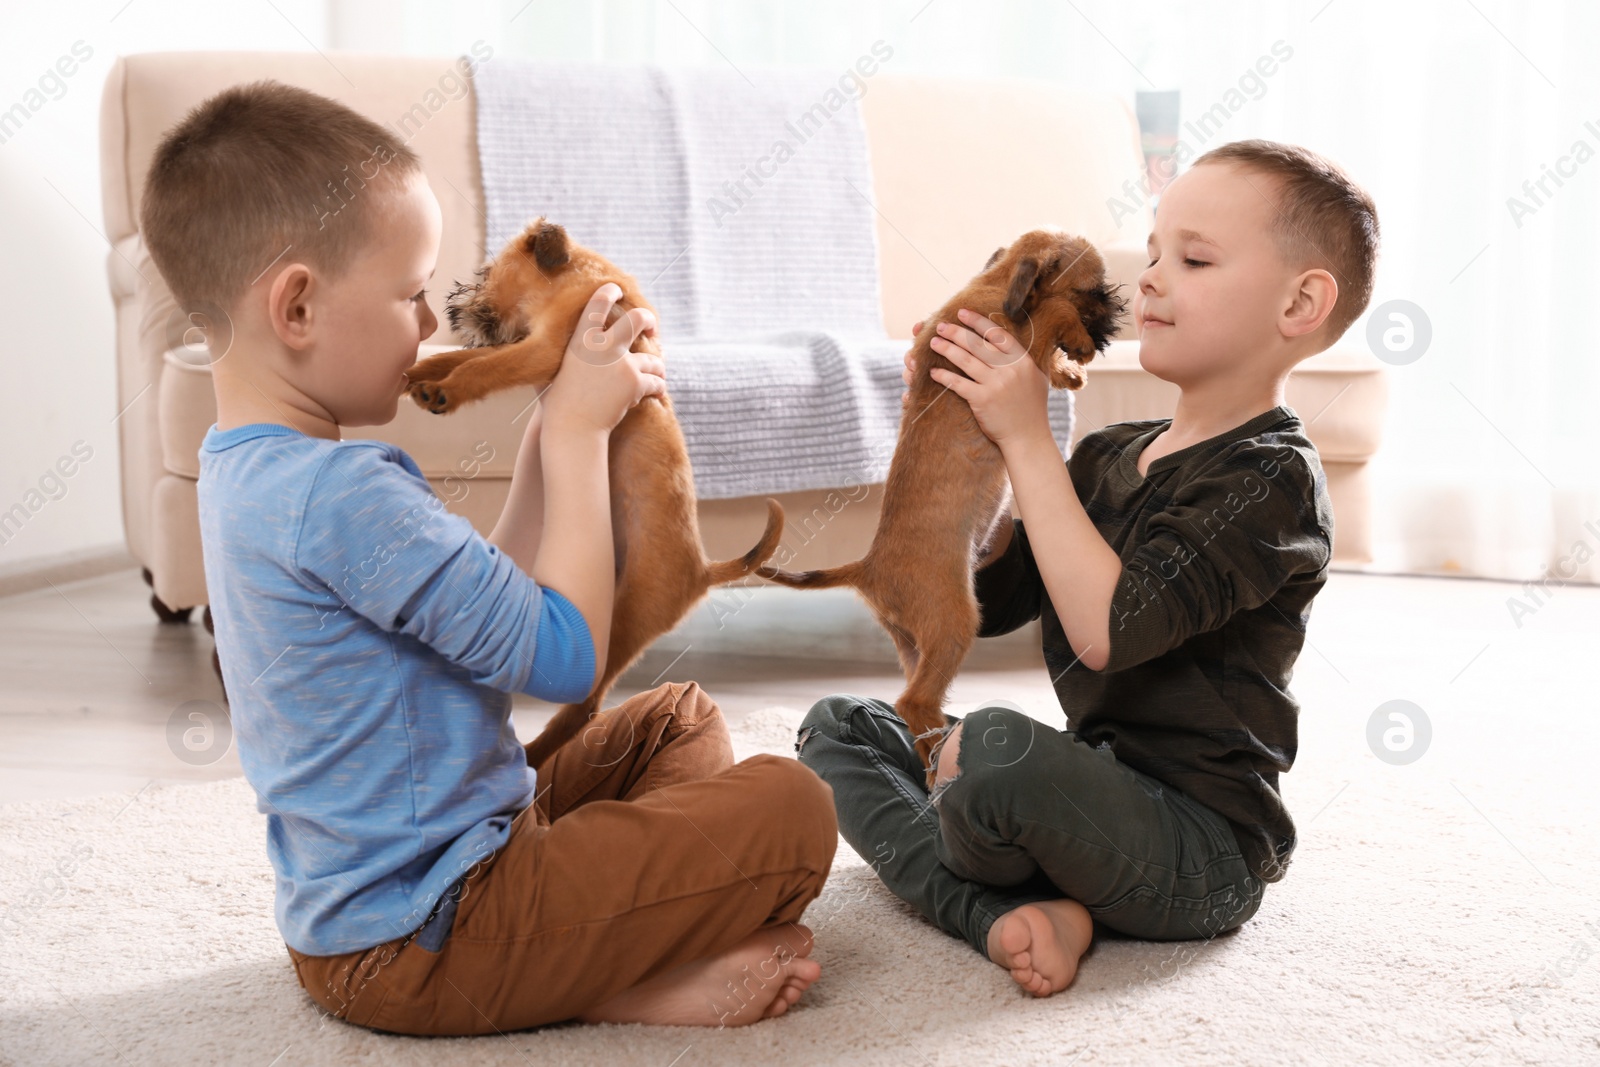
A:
940	215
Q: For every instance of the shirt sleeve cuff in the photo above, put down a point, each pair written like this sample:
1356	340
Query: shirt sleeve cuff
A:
563	655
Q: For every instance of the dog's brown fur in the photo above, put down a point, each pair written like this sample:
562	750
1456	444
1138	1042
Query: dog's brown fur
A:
524	308
947	488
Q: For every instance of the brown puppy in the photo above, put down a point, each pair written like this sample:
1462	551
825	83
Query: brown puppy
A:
523	309
947	487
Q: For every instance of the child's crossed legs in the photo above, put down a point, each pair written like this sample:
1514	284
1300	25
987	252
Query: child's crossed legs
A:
1032	824
647	855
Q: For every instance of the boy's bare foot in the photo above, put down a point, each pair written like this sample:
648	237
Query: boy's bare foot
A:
1040	944
759	978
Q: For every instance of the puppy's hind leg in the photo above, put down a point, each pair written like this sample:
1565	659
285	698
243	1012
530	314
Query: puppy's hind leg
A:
905	647
941	646
922	703
562	728
575	720
651	599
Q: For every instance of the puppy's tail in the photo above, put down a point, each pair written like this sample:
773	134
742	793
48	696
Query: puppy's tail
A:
734	569
846	574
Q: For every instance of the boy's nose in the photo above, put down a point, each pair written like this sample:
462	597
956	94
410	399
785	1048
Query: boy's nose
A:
1149	282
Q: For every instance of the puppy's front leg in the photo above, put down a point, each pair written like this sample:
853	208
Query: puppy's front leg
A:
1065	373
1074	347
435	367
533	361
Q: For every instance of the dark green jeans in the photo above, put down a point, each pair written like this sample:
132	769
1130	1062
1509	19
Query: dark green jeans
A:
1034	813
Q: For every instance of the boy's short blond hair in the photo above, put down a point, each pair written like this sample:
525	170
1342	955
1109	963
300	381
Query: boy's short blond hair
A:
261	171
1323	220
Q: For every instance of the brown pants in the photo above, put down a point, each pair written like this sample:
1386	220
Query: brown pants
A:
645	849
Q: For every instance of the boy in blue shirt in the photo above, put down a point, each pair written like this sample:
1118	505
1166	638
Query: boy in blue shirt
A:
429	881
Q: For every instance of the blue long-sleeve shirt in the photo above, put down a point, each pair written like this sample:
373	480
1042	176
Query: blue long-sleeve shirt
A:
370	641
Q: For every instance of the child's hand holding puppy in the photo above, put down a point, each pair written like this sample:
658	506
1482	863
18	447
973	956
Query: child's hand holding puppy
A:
600	378
1006	390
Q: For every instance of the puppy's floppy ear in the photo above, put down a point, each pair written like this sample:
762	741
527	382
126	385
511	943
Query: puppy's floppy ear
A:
1022	279
547	244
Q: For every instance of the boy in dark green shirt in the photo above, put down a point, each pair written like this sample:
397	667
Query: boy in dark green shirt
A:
1172	563
1195	692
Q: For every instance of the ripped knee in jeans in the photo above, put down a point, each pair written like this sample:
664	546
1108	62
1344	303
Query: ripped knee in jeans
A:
945	758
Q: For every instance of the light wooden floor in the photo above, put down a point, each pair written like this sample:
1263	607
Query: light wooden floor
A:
91	680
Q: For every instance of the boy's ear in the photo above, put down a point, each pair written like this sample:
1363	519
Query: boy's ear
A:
1022	279
287	300
1314	301
547	244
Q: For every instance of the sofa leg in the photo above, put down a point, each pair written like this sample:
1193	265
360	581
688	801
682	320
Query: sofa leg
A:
166	614
216	665
216	660
159	606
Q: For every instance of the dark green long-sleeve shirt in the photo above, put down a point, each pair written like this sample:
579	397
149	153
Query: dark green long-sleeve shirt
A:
1223	545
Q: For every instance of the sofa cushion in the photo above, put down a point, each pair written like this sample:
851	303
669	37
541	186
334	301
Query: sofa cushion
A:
1339	394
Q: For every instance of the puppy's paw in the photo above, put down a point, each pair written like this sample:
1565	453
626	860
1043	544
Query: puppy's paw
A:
1066	374
434	397
924	747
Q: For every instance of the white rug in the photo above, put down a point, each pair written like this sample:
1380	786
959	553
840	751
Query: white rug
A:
138	930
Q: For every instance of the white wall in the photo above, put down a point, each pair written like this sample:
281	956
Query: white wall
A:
60	383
